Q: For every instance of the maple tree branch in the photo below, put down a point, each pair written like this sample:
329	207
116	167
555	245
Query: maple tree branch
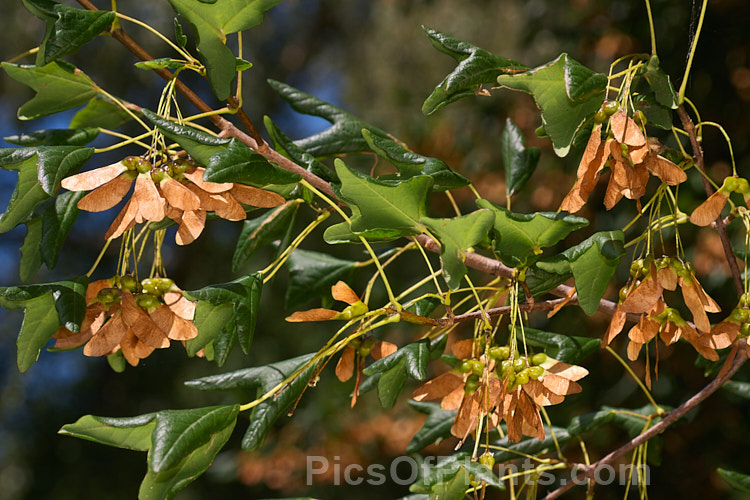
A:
255	142
687	124
667	420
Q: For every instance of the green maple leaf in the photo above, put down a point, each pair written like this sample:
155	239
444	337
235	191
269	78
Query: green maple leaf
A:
212	22
568	94
381	211
457	236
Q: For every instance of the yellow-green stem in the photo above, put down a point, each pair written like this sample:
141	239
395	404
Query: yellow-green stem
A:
637	380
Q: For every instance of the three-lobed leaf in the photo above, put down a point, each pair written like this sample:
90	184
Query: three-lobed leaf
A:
568	94
68	28
520	238
345	133
457	236
58	86
383	211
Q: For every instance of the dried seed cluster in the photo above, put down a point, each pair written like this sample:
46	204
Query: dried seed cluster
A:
134	317
502	385
173	189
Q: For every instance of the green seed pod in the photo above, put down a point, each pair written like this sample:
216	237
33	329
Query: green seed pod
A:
108	296
364	351
745	329
743	187
128	283
541	132
158	175
730	185
497	352
487	459
538	358
147	302
737	316
143	166
471	384
505	368
149	286
164	284
477	367
519	364
640	118
522	377
130	162
465	367
599	117
535	372
610	107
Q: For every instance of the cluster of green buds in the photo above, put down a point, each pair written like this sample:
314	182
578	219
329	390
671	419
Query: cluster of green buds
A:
475	369
519	370
516	370
172	168
147	293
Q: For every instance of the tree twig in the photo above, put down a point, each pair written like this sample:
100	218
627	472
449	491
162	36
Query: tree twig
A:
666	421
687	124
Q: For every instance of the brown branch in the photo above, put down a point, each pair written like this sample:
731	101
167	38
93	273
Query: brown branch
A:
666	421
687	124
233	104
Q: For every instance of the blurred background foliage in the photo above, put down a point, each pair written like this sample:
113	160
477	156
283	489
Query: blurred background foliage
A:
371	58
